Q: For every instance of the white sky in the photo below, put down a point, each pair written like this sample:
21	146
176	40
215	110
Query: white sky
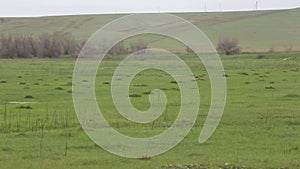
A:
71	7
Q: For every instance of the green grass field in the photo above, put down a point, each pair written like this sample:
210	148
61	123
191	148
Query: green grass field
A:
256	31
260	127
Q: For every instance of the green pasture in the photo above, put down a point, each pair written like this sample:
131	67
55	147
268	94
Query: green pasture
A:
260	127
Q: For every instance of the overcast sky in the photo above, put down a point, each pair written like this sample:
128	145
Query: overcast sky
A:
71	7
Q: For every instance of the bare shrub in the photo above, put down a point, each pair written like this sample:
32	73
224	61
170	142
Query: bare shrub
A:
118	49
229	46
6	46
68	43
17	47
189	50
24	46
50	46
43	46
271	50
138	46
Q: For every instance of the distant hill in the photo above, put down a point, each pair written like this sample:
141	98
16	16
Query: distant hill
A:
256	31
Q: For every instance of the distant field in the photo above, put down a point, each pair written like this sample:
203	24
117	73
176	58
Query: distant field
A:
260	127
256	31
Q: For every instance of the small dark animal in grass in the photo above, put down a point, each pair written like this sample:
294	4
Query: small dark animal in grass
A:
59	88
135	95
140	85
24	107
28	97
147	93
145	158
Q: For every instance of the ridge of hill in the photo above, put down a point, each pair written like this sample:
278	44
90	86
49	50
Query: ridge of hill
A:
255	30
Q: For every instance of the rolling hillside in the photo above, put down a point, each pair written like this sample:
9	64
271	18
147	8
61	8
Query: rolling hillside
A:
256	31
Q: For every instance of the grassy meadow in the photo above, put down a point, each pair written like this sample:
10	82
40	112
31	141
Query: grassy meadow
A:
260	127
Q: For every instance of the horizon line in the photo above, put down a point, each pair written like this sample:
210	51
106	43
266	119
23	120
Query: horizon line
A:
147	12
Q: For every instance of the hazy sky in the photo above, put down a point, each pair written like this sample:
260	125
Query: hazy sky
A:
67	7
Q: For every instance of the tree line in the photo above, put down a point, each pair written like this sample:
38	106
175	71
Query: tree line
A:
43	46
60	44
54	45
